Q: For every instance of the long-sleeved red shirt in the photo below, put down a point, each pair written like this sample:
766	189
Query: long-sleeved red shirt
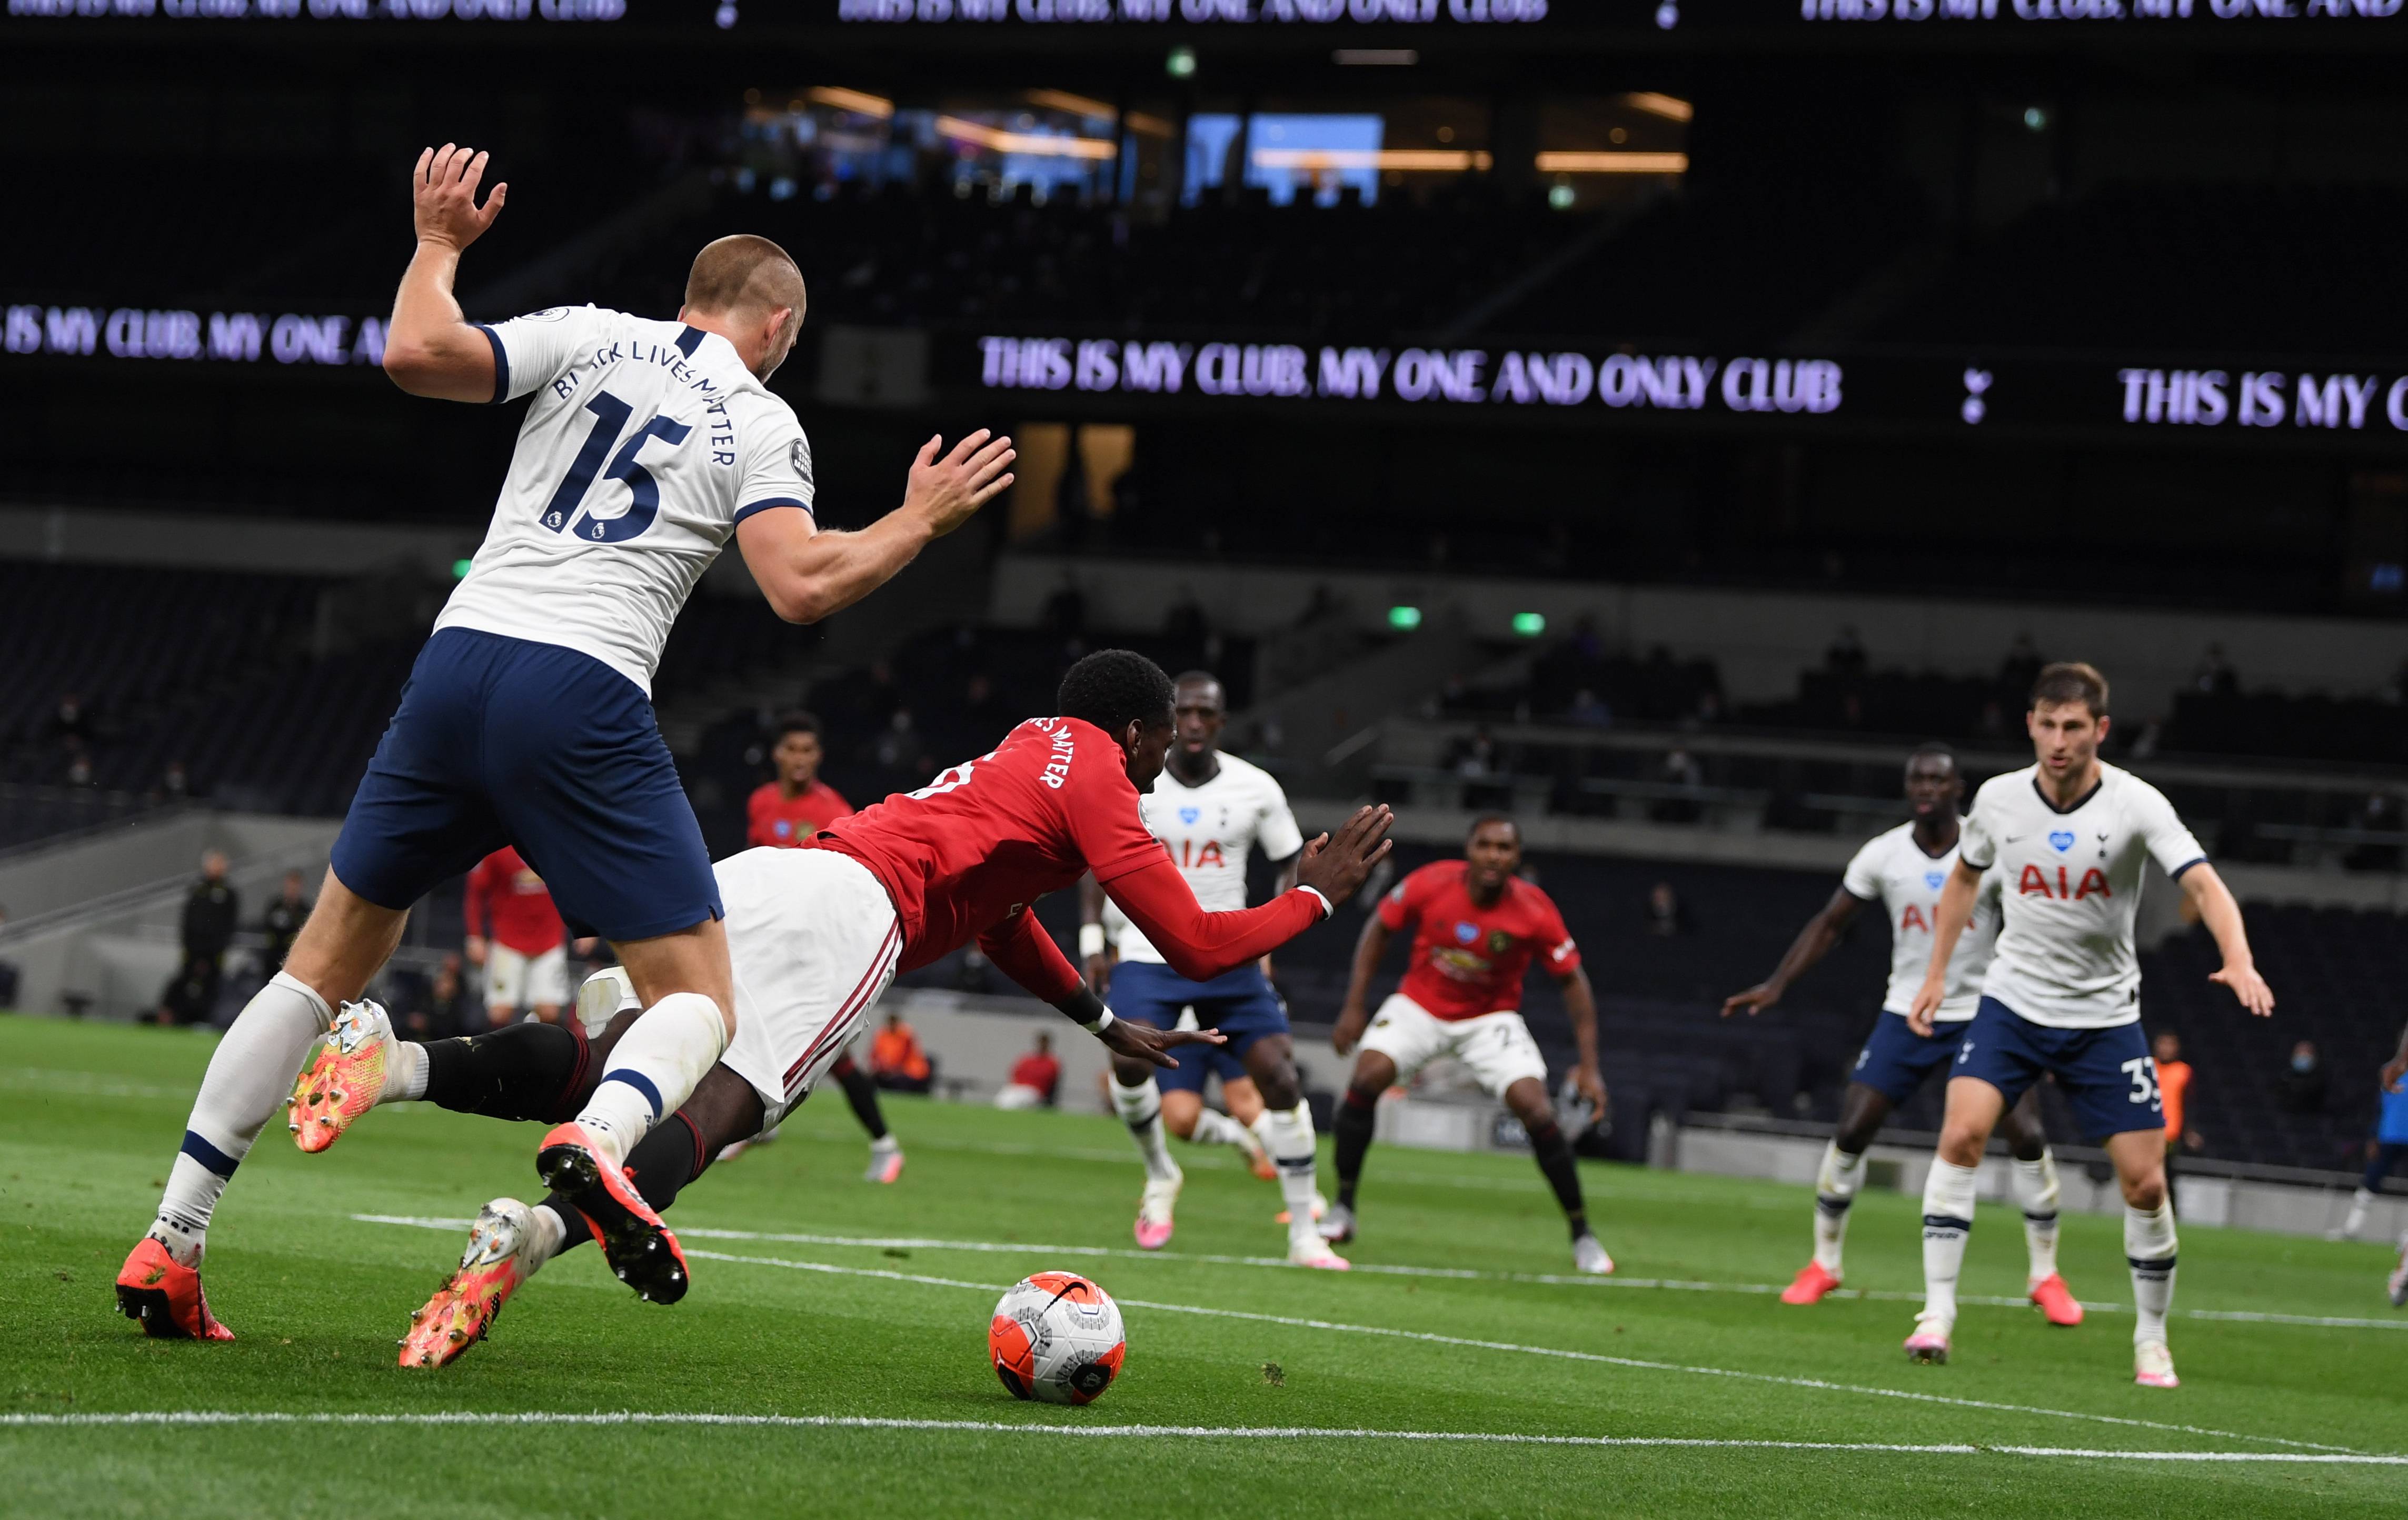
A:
965	856
524	919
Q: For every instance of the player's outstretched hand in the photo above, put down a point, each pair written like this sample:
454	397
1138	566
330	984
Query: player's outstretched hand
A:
1926	1003
1752	1001
1337	868
945	491
1143	1042
2249	987
443	196
1349	1028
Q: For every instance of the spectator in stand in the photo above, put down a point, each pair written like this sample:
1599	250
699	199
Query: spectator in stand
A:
211	910
2302	1090
434	1008
1588	712
1035	1079
2379	814
280	923
787	811
1846	656
525	956
1666	916
1475	756
897	1062
70	722
2174	1091
79	765
1681	772
174	784
2389	1146
2215	675
2021	668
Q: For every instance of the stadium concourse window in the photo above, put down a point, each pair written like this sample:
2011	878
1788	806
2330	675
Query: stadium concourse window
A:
1049	140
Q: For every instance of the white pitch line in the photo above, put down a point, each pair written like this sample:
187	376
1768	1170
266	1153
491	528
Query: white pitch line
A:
211	1418
1666	1284
830	1268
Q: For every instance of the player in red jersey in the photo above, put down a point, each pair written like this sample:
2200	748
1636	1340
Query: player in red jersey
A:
797	805
526	957
785	814
1477	926
818	933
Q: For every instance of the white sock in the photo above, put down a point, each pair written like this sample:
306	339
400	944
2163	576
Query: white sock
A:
1140	1108
1835	1189
1287	1135
885	1144
1215	1129
405	1072
248	1078
549	1230
2149	1246
1947	1216
653	1068
2360	1202
2036	1191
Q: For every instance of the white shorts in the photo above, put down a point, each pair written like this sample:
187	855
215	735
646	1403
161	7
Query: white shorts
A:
516	981
813	941
1496	1048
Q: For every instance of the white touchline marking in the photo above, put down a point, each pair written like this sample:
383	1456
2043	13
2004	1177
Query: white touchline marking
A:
206	1418
830	1268
1667	1285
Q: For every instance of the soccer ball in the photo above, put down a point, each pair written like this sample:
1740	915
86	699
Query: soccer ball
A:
1057	1337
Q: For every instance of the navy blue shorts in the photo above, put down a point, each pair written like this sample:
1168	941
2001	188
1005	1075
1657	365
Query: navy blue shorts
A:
2107	1075
1895	1060
1240	1004
505	741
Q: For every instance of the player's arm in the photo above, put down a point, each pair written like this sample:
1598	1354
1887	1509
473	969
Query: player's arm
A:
1200	946
1354	1014
1956	913
808	572
1094	950
2396	1067
2222	915
1580	1002
1020	948
1286	882
1813	943
430	349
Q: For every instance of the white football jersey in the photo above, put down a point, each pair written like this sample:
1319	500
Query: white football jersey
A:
1209	829
1892	870
647	443
2070	886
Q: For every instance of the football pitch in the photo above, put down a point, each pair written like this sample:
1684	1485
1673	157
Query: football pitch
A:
831	1357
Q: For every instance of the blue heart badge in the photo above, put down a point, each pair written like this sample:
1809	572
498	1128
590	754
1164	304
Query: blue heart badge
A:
1933	879
1189	815
2061	840
1466	933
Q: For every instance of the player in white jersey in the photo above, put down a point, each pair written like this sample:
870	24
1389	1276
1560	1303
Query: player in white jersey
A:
1904	869
1210	809
527	720
2068	839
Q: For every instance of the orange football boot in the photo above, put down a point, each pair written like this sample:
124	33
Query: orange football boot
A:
344	1080
464	1309
164	1297
1809	1286
2057	1300
643	1252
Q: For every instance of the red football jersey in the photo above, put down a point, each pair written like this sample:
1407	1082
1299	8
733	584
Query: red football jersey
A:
1051	802
1469	960
772	818
523	918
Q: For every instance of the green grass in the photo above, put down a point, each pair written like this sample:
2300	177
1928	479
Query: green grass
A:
89	1117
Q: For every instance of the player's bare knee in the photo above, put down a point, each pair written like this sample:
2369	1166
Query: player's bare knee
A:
1374	1074
2145	1192
1280	1088
1528	1098
1961	1146
1128	1073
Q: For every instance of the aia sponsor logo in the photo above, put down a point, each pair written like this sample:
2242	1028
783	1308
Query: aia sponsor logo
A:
2036	882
